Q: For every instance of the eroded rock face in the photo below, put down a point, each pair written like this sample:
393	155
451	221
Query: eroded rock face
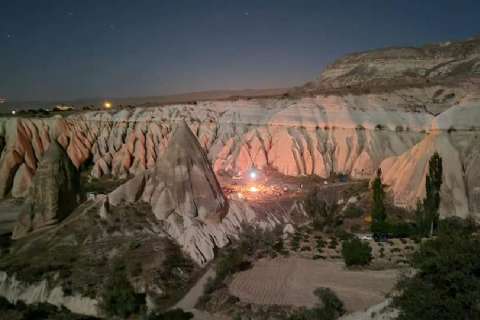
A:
53	194
183	183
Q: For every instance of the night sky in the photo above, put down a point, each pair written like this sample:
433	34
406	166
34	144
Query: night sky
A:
71	49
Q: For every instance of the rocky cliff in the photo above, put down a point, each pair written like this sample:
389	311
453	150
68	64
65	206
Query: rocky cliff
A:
351	131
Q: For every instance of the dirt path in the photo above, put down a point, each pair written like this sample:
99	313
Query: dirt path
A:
188	302
291	281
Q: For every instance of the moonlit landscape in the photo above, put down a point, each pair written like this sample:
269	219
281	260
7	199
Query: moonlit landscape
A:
240	160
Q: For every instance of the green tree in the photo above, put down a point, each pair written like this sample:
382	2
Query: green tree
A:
356	252
446	284
427	214
378	208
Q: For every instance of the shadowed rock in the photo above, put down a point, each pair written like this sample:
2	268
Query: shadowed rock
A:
53	194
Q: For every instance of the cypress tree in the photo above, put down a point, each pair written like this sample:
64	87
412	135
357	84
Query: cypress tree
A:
378	209
431	203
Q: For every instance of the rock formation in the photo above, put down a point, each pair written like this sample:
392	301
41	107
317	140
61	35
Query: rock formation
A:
186	198
331	127
182	183
53	193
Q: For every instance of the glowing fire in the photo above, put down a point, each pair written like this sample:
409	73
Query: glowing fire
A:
253	189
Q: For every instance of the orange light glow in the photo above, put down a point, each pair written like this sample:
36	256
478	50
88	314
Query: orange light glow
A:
253	189
107	104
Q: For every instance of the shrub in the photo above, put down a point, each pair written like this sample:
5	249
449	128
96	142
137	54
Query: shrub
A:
118	298
356	252
331	303
330	308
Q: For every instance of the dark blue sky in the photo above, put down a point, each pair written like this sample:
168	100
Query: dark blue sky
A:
92	48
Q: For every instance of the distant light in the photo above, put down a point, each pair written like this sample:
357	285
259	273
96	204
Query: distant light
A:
253	175
13	112
253	189
107	104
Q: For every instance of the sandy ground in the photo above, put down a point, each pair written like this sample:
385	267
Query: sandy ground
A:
9	211
291	281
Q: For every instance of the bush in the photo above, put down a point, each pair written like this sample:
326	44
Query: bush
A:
118	296
446	284
330	301
331	307
356	252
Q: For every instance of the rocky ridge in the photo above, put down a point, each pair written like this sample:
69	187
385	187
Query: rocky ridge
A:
448	63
